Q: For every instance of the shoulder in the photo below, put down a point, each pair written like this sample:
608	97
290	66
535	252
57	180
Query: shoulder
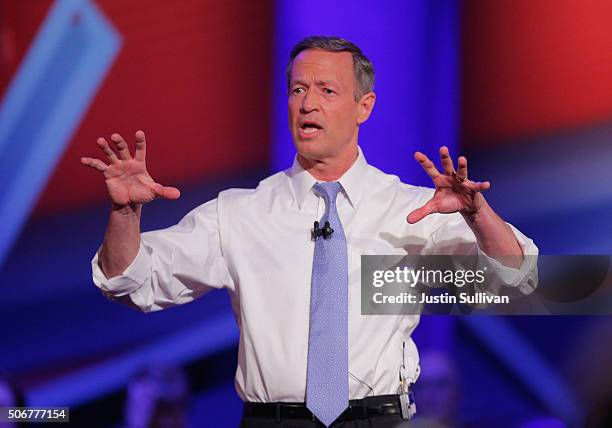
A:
267	189
391	185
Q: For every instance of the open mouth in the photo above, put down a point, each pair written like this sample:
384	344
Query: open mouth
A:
310	127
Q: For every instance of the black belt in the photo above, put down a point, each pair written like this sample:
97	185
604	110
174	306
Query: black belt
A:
358	409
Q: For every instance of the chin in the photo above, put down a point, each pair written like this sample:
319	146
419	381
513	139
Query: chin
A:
310	149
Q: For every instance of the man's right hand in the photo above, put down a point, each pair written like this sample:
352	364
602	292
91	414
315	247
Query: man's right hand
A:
127	179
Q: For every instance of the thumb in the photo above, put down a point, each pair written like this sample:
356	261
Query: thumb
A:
166	192
420	213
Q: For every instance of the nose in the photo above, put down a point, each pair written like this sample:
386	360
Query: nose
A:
310	102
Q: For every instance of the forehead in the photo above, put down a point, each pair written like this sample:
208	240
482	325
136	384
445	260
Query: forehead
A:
323	65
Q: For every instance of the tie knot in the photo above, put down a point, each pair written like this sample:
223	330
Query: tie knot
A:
328	190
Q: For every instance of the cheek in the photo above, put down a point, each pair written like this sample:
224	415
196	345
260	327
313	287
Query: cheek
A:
344	120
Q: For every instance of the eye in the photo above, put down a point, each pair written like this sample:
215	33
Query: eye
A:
328	91
297	90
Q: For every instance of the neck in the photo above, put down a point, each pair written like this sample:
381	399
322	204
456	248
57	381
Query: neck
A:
328	169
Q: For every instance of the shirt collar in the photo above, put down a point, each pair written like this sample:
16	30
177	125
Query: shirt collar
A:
352	180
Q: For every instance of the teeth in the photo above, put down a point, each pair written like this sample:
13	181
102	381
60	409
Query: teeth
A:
309	130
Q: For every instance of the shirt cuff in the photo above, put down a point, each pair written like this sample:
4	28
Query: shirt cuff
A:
524	277
132	278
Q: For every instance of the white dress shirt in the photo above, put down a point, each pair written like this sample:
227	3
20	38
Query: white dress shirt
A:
257	244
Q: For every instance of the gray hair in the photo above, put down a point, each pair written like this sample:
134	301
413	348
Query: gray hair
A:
362	66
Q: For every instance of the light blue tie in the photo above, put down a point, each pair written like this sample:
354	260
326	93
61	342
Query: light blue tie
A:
327	374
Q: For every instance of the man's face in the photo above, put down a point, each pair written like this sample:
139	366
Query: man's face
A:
323	113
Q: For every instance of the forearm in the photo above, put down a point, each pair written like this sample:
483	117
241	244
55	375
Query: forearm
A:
121	240
495	238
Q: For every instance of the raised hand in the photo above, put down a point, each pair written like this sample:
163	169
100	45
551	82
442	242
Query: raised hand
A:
454	192
127	179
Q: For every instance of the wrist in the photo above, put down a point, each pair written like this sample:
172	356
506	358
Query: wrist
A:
476	216
126	210
472	217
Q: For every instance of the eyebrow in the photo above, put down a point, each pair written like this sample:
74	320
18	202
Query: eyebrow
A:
318	83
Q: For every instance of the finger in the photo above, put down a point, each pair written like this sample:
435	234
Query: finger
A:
484	186
477	186
141	147
110	154
94	163
462	170
447	162
427	165
122	147
420	213
166	192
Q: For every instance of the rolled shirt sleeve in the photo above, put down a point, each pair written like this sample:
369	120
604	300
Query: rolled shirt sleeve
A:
454	237
525	277
173	266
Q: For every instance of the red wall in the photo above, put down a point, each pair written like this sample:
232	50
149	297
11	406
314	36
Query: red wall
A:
194	75
530	66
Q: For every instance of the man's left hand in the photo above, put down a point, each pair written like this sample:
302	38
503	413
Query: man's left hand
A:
454	191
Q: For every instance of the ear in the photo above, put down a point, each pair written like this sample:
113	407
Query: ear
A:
366	104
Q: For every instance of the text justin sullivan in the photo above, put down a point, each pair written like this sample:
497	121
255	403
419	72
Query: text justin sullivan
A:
424	298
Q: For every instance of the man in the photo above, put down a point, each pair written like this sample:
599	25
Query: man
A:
305	350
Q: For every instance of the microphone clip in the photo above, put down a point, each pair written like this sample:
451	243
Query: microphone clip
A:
326	232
